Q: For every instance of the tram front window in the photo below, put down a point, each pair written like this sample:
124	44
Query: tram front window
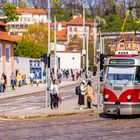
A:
137	76
120	75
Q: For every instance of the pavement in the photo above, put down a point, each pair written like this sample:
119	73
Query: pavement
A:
69	107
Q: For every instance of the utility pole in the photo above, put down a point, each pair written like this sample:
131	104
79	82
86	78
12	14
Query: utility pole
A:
49	48
55	57
49	20
83	51
86	54
99	51
103	43
95	39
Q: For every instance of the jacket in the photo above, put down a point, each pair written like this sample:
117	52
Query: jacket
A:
90	93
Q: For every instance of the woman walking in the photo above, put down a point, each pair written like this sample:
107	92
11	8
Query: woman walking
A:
90	97
54	94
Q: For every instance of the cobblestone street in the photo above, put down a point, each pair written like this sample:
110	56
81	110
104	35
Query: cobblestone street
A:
83	127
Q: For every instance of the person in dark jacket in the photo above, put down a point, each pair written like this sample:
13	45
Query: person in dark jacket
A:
13	80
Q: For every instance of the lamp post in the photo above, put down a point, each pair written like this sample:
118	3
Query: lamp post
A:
85	45
95	39
49	48
99	51
55	58
83	50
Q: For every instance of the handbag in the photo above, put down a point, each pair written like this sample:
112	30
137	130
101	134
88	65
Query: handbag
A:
88	99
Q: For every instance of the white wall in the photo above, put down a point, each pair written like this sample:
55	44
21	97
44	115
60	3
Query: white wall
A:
69	60
23	65
59	47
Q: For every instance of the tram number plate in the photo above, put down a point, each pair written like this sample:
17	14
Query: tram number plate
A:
117	88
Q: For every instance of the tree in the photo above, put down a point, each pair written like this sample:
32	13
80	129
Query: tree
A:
38	3
10	11
75	40
22	4
26	48
34	42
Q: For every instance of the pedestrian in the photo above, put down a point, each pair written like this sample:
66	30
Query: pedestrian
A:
81	97
4	77
59	76
37	78
13	80
19	79
2	82
44	76
90	97
31	77
24	79
54	94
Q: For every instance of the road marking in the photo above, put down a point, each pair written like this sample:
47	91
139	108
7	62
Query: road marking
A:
24	98
64	97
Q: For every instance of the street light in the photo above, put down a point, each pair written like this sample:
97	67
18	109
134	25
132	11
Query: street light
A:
83	50
49	48
55	57
99	51
85	45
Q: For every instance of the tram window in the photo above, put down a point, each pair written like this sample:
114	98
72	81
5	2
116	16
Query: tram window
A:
137	76
120	75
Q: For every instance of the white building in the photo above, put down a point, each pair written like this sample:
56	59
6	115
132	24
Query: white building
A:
69	59
26	17
75	27
26	65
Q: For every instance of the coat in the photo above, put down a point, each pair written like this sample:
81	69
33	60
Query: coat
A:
90	94
83	89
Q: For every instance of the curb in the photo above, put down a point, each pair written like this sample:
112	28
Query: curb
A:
43	115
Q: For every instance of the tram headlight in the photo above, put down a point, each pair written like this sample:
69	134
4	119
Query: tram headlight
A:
129	97
106	96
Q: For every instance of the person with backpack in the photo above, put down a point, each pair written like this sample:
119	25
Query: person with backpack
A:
81	97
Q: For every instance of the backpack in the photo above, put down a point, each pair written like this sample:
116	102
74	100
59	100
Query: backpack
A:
78	90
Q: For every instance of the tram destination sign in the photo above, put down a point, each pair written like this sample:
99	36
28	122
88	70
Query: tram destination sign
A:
121	61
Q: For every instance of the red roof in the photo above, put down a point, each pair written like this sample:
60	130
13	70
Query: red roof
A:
16	38
79	21
62	35
30	10
4	36
2	23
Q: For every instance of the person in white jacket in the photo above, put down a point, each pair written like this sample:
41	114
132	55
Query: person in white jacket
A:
54	94
81	99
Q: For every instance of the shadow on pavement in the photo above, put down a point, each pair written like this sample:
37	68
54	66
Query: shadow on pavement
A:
104	115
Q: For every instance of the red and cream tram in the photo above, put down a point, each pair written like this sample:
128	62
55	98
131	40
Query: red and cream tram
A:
121	88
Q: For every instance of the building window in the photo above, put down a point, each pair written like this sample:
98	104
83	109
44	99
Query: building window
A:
70	29
75	29
28	19
8	53
70	36
0	51
31	63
